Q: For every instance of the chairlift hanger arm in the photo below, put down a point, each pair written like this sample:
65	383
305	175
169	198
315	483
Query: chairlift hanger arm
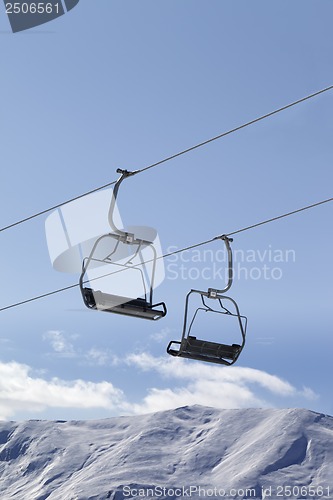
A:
124	236
212	292
124	175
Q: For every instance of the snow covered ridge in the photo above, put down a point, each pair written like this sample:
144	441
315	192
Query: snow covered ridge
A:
190	452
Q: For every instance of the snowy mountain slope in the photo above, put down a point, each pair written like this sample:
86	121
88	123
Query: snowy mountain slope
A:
118	458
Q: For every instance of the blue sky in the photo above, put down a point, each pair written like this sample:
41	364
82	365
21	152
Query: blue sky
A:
124	84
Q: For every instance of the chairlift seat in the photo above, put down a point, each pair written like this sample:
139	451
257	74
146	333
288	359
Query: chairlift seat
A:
201	350
140	308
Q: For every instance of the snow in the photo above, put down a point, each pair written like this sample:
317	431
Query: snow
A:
193	446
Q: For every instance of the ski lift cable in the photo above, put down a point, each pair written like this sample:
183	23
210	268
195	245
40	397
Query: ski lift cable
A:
172	157
280	216
164	256
38	214
236	129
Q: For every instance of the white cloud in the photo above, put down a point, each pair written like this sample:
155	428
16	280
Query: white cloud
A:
161	335
101	357
59	343
184	383
19	391
63	346
309	394
211	385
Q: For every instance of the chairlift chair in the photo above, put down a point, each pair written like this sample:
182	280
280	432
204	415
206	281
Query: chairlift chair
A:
203	350
140	307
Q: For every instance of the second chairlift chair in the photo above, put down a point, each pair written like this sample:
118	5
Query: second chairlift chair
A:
204	350
140	307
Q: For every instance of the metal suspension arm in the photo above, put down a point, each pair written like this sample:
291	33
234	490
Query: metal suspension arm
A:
124	175
212	292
